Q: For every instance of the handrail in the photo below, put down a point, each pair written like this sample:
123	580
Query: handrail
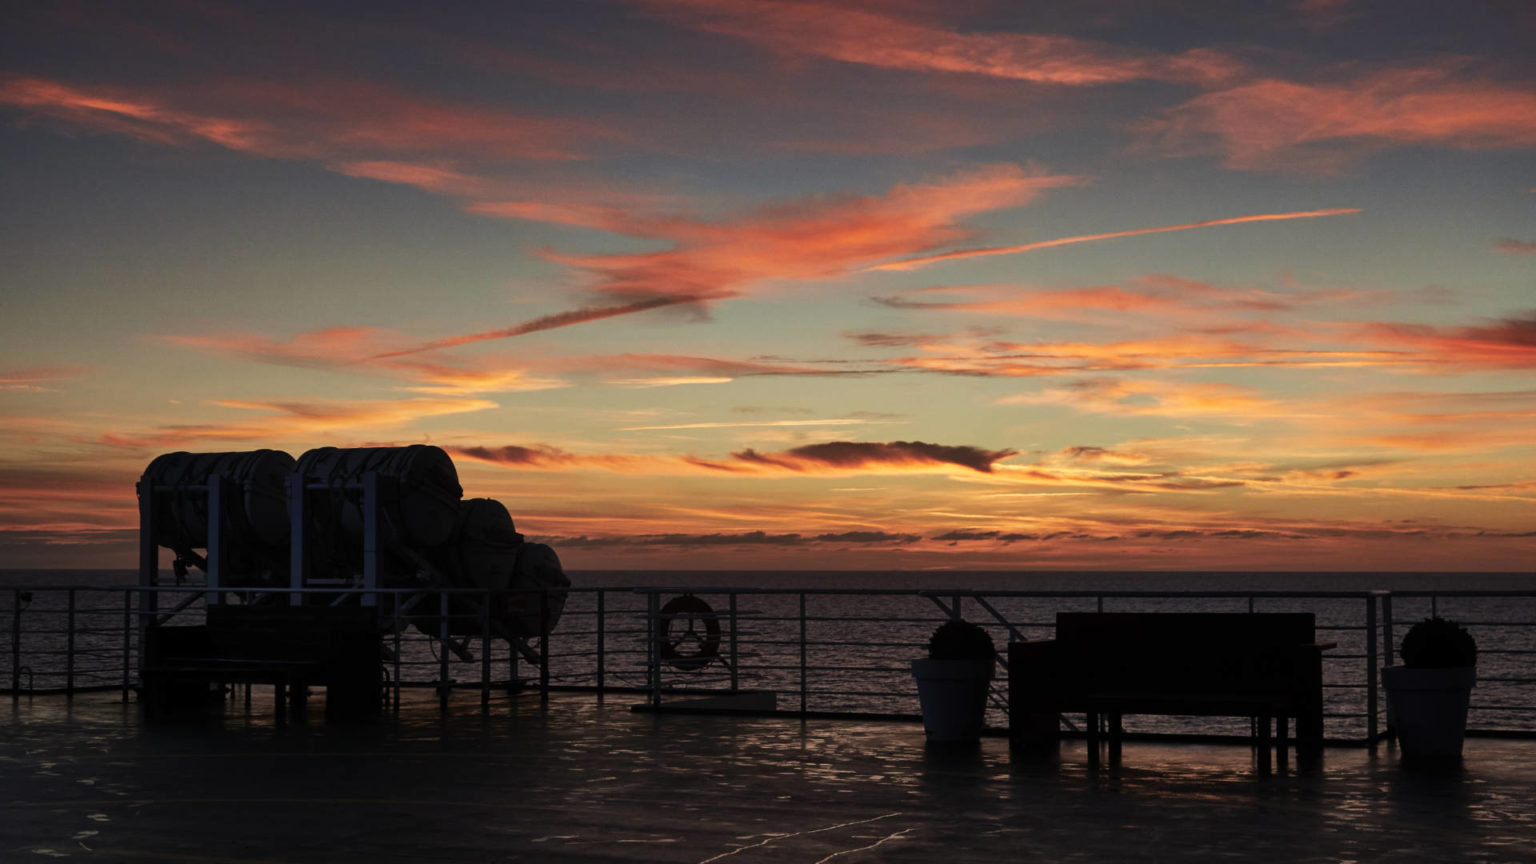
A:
821	649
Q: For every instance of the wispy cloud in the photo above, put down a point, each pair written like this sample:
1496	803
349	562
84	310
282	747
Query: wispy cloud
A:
38	379
814	239
372	351
1159	398
1269	123
320	120
920	261
1517	247
1507	343
879	39
290	420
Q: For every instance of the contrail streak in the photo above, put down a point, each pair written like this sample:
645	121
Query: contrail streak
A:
913	263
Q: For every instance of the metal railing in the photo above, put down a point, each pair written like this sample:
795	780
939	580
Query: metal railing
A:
828	652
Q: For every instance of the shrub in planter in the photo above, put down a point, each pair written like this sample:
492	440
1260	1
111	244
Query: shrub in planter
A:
1427	696
952	683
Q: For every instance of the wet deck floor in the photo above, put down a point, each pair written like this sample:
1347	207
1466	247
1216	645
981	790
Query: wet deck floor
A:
579	780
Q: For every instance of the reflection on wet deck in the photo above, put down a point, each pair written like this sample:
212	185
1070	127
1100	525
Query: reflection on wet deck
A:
583	780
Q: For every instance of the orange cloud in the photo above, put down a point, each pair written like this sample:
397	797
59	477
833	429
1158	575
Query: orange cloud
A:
870	38
1157	398
913	263
1155	294
1508	343
37	379
1272	123
813	239
363	350
295	420
1517	247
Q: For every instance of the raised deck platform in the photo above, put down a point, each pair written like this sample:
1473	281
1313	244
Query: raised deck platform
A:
581	780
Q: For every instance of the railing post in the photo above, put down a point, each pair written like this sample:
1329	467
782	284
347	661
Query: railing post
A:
601	641
1370	668
1391	643
652	646
442	650
804	684
373	509
127	641
398	628
735	664
298	526
544	629
485	651
218	550
16	642
69	647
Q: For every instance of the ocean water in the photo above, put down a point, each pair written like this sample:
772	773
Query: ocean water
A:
850	652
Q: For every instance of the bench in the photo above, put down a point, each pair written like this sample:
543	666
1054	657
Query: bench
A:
289	647
1263	666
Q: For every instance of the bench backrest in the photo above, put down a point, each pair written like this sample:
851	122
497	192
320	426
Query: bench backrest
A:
1182	653
282	632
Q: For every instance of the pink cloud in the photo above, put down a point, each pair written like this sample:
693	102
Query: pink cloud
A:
1271	123
321	120
1517	247
823	238
879	39
1506	343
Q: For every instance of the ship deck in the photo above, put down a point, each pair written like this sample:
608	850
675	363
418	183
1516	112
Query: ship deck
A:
578	779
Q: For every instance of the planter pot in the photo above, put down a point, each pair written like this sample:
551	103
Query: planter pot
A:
953	694
1428	707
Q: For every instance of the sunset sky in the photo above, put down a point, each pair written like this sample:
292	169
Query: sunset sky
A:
758	284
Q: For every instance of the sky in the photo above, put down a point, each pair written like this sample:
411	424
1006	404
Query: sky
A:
753	284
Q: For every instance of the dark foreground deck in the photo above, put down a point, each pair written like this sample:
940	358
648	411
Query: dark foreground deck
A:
579	780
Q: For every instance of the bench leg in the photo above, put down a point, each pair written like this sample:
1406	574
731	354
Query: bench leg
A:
299	703
1309	733
1263	745
280	700
1116	729
1282	729
1092	727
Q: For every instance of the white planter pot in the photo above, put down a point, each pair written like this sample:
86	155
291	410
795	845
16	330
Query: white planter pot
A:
1428	707
953	695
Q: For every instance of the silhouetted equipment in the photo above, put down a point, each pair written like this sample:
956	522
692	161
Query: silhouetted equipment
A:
333	527
485	551
417	491
1255	665
253	518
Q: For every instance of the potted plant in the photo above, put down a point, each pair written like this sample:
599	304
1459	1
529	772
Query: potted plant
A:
952	683
1427	696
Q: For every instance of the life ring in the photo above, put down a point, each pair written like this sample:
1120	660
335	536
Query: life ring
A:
689	650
